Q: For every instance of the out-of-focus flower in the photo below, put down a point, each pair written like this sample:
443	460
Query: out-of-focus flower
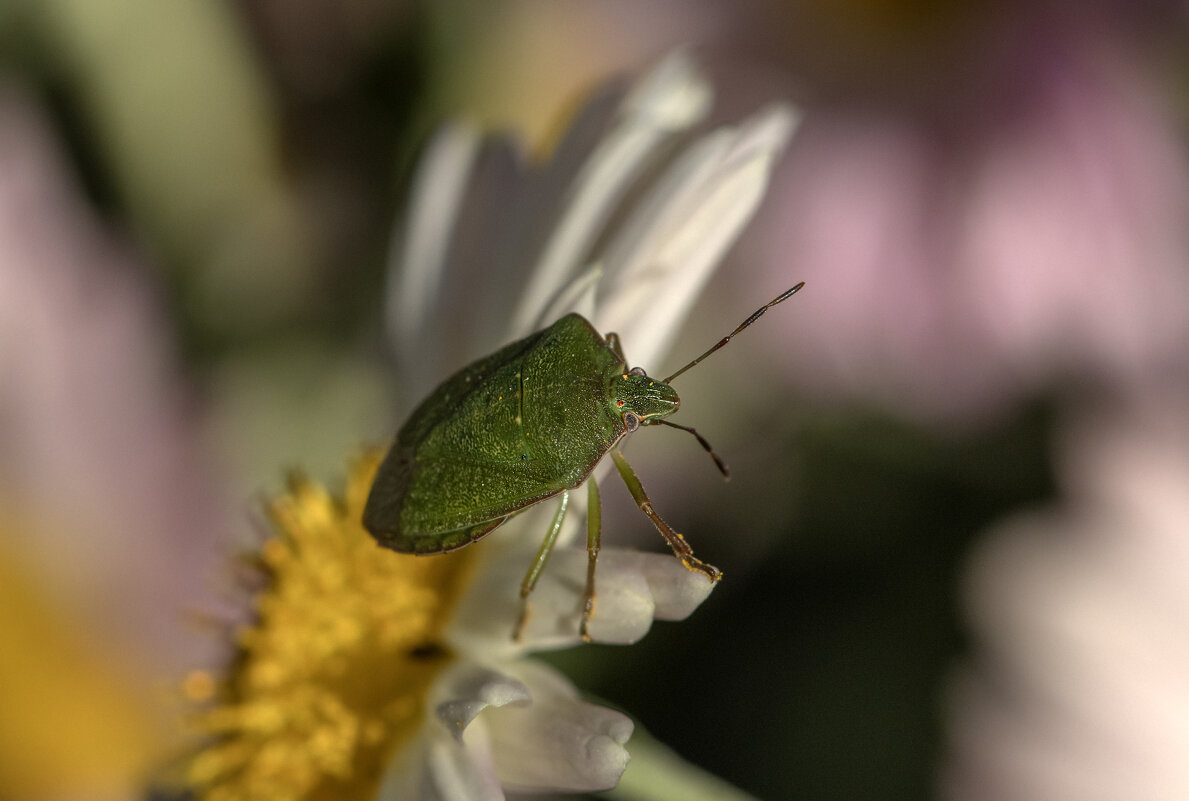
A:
376	674
108	513
1013	214
97	445
1079	687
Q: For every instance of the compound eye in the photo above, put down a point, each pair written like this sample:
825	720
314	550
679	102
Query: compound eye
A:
637	371
631	421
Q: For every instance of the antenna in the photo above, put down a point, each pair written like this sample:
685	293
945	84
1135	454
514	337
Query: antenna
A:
757	314
722	467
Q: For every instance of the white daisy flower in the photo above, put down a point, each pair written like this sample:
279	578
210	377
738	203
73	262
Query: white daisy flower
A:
373	674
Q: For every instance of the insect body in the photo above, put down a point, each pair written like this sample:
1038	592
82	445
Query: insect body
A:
526	423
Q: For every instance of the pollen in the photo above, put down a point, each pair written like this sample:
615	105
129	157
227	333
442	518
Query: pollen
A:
331	678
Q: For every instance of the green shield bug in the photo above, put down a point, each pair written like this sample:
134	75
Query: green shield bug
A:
526	423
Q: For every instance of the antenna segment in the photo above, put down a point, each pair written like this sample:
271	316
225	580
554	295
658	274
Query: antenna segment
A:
757	314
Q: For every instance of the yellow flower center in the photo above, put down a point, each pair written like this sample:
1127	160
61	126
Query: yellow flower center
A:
331	679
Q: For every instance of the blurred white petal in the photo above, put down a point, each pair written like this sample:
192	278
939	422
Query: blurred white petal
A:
663	237
670	98
439	186
578	296
674	95
658	264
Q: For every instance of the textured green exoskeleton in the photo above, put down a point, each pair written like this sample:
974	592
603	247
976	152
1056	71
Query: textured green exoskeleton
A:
526	423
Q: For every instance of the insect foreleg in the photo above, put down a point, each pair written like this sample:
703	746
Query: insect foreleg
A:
681	548
594	526
534	570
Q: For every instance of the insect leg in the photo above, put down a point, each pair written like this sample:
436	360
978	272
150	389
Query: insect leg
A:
681	548
534	570
616	346
594	527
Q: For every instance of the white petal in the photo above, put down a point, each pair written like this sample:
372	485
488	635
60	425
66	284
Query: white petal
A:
673	94
670	98
467	689
419	248
439	764
558	742
435	767
578	296
658	264
534	733
676	590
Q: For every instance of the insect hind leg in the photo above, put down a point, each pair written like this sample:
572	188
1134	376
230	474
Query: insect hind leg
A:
594	528
681	548
538	564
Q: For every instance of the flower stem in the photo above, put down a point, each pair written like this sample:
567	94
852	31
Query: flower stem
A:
656	773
